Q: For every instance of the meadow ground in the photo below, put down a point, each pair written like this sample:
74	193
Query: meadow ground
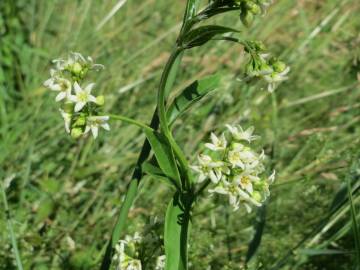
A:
65	193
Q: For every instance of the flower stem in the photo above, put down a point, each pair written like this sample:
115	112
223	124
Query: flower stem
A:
162	115
130	121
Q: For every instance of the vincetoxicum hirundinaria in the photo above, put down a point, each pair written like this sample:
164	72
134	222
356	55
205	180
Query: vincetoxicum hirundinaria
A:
229	164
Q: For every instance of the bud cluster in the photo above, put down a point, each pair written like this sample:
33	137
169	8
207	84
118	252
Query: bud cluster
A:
79	109
249	9
262	65
234	168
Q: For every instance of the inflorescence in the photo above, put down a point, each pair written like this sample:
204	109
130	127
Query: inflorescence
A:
80	109
262	65
127	255
234	168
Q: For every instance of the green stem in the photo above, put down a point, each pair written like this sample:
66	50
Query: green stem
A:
130	121
129	198
162	115
10	227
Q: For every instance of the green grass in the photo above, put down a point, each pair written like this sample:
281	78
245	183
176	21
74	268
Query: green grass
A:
66	189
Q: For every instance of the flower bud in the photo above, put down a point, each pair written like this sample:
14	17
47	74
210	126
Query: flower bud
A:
256	195
246	18
76	68
100	100
265	69
76	132
80	121
253	8
259	46
279	66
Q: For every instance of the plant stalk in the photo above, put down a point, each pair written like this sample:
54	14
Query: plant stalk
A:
10	228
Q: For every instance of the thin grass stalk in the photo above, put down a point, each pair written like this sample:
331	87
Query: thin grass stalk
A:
11	229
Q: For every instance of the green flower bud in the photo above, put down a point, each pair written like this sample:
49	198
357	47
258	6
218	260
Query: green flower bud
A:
80	121
259	46
100	100
256	195
76	132
253	8
246	18
76	68
279	66
265	69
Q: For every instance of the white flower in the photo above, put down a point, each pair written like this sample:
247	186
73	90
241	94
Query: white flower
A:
245	180
209	169
160	262
56	83
94	122
276	77
242	157
217	144
123	260
67	119
229	189
82	96
271	178
239	134
76	62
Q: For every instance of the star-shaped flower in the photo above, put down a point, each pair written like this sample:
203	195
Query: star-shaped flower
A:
275	78
209	168
58	84
242	135
94	122
82	96
218	144
67	119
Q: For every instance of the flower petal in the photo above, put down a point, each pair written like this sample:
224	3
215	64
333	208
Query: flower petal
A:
60	96
89	87
77	88
79	106
94	131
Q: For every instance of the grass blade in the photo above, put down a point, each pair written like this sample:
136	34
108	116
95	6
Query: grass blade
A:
355	224
10	228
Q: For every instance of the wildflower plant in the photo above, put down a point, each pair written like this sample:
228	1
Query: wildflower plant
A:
229	166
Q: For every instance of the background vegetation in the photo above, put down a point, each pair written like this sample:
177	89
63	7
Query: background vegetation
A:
64	194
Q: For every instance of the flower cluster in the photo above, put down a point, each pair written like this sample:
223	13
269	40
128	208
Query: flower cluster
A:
80	109
127	252
234	168
262	65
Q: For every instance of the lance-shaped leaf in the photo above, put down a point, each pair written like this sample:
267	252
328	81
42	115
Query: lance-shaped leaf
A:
190	95
203	34
190	11
155	172
176	234
164	155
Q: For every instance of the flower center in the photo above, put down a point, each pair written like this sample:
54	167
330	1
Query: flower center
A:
83	96
245	180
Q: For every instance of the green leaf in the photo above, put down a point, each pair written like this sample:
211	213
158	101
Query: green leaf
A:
190	95
176	234
355	225
164	155
259	229
203	34
190	11
155	172
316	252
